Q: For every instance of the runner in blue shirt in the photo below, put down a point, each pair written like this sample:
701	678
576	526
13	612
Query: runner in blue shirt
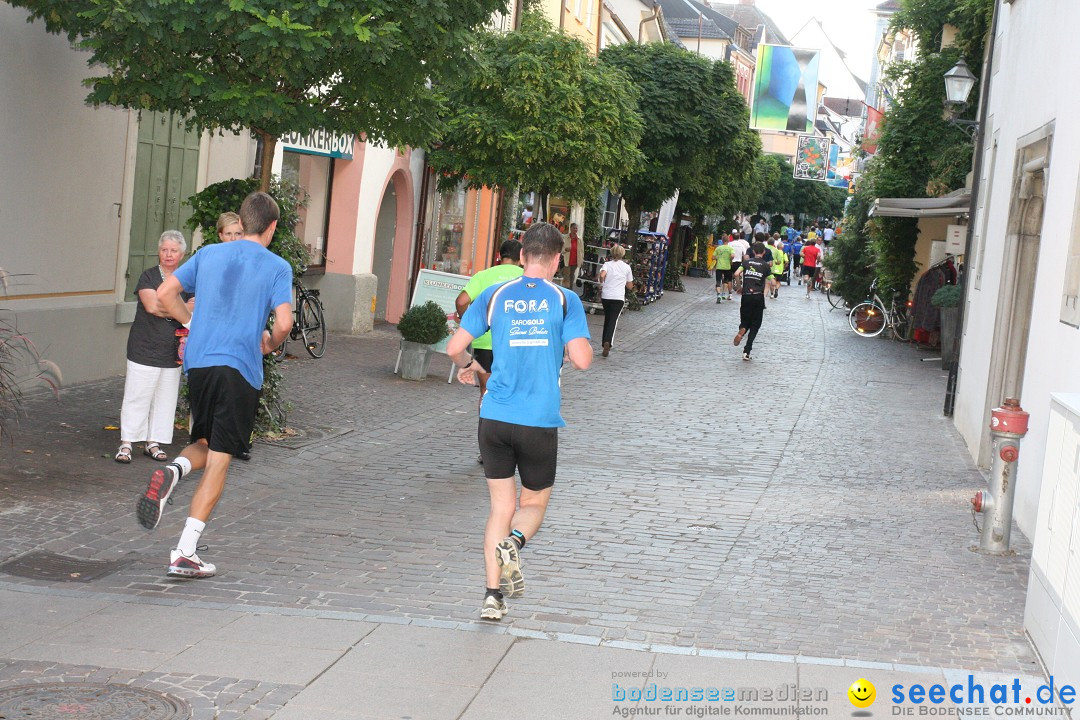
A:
535	324
239	284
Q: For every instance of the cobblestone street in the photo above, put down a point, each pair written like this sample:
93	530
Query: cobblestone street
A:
812	502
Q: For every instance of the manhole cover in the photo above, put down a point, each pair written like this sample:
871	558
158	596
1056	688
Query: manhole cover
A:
60	568
303	437
87	700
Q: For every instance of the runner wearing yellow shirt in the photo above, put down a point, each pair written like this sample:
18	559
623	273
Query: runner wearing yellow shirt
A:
723	255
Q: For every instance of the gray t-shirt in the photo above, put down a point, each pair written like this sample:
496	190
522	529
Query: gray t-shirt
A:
152	340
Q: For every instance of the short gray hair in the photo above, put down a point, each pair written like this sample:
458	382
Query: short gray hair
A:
173	236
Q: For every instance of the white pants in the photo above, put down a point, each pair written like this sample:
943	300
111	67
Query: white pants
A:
149	404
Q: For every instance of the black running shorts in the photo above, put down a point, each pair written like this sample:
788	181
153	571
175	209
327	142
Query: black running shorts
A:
484	357
723	276
809	271
223	407
532	451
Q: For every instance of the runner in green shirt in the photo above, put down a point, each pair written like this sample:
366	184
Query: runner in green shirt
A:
779	258
723	254
508	269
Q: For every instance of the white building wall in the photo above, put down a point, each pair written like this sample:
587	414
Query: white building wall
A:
378	162
1019	106
65	198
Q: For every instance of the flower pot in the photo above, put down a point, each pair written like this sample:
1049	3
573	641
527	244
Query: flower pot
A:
949	321
415	358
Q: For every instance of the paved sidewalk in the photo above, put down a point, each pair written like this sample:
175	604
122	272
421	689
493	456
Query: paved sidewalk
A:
809	504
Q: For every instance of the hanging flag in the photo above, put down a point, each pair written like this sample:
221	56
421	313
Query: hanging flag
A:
872	131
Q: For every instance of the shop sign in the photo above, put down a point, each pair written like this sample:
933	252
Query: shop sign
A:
443	288
320	142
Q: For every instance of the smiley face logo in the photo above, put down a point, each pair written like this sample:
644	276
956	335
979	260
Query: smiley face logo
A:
862	693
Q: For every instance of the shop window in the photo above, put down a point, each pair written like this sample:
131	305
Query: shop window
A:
314	174
449	244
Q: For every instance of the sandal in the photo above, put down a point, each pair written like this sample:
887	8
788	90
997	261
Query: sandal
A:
123	455
152	450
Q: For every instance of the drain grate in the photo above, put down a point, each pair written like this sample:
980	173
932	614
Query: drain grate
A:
302	437
52	701
60	568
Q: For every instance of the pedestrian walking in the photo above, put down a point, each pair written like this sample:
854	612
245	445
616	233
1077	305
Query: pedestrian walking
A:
723	256
509	267
534	324
754	272
152	378
238	284
616	278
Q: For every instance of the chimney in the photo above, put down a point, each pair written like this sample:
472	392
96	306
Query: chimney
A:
746	2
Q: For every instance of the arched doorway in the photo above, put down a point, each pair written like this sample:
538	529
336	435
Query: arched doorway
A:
383	251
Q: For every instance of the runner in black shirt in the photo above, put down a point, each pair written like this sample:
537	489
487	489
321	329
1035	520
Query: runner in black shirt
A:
753	272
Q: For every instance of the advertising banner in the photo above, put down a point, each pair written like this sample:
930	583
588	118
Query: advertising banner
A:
812	159
785	91
872	131
443	288
840	167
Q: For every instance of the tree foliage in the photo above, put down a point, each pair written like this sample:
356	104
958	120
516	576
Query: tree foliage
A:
781	193
696	128
361	66
919	153
535	110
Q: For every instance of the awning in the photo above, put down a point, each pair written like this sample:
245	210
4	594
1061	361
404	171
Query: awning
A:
951	206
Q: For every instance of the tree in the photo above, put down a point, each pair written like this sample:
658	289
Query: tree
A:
696	135
535	110
274	67
782	193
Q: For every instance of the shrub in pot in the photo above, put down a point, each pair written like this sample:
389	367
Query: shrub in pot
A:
948	299
421	327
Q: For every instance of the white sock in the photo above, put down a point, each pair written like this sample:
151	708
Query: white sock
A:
184	464
189	539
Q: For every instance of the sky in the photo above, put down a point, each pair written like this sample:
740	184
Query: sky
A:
849	23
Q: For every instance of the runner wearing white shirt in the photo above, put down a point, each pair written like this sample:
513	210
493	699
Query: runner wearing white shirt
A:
740	250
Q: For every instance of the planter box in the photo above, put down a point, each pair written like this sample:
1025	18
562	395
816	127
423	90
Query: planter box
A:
949	336
415	358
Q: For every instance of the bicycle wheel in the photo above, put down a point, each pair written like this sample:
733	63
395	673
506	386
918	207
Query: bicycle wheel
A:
867	319
835	299
900	326
312	327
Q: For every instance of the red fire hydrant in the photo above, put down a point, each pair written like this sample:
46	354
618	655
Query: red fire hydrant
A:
1008	424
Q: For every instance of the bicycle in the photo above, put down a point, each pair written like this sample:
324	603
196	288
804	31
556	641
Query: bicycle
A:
836	300
870	317
308	323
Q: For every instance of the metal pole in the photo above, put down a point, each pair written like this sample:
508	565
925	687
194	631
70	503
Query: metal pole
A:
973	207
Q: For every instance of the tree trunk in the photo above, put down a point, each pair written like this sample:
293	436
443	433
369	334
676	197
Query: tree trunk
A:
267	160
675	246
633	216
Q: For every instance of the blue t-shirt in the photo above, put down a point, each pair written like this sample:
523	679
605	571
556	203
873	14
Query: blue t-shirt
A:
530	319
791	233
237	285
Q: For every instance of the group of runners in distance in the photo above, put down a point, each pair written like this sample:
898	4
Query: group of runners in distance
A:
755	269
523	330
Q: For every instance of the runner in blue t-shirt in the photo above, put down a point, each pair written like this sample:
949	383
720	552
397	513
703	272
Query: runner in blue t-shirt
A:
535	324
239	284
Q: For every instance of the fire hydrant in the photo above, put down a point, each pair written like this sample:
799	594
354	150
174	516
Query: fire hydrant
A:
1008	424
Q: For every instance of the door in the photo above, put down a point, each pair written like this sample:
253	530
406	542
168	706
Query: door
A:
383	253
166	164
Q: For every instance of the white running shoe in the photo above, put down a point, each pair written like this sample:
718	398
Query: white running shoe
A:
189	566
511	582
493	608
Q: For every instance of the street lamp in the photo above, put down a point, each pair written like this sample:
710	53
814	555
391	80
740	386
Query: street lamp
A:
959	81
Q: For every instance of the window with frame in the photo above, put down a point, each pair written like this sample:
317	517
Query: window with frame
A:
313	173
1070	294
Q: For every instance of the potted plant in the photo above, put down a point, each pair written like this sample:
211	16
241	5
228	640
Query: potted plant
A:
421	327
948	299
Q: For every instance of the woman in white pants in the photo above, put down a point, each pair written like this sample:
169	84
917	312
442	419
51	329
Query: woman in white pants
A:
153	374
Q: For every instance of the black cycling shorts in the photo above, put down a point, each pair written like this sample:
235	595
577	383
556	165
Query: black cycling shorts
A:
532	451
484	357
223	407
